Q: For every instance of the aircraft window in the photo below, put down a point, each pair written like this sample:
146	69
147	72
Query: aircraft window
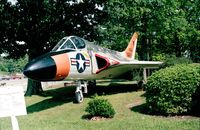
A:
59	44
79	43
68	45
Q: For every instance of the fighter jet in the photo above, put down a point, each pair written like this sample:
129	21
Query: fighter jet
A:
75	58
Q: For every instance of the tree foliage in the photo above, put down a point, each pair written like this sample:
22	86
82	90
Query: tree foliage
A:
40	23
165	26
12	65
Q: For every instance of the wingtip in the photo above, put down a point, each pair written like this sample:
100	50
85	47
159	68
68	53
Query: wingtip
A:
136	34
131	48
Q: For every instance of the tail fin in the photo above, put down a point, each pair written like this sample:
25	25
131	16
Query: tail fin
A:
129	52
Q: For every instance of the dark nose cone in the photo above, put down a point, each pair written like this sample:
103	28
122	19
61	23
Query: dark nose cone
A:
41	69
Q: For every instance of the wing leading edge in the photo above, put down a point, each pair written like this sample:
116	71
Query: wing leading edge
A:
141	64
120	70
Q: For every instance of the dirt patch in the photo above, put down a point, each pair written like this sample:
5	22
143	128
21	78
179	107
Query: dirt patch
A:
94	118
98	118
179	117
136	102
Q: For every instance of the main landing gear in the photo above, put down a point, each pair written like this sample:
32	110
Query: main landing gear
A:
82	87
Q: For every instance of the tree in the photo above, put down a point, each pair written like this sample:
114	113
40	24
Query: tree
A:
165	26
40	23
192	9
125	17
13	65
5	16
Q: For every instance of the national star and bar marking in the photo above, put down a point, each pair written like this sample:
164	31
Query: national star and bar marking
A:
80	62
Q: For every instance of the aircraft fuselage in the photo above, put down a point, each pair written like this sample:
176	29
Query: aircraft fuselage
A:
73	64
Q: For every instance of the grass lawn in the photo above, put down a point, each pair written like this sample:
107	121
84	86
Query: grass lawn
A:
56	111
3	73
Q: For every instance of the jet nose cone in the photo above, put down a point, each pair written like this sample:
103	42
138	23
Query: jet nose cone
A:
41	69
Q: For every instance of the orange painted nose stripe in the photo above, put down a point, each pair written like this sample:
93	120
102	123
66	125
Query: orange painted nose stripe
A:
62	65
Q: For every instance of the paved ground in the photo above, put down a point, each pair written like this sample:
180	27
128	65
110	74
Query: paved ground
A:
50	85
14	82
23	82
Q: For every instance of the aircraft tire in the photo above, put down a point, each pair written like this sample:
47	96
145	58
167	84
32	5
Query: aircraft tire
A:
140	85
91	86
79	97
92	83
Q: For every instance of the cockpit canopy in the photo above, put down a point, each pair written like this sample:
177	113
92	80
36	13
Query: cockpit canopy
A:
70	43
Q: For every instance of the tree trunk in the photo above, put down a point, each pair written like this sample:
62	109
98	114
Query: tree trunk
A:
33	88
178	47
144	39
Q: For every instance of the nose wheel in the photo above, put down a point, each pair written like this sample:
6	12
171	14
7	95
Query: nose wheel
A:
79	96
80	89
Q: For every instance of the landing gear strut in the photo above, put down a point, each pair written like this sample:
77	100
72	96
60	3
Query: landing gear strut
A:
80	89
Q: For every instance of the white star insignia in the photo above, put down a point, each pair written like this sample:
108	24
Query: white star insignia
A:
80	62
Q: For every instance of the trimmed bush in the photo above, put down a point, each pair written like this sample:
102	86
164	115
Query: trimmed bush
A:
100	107
170	91
196	99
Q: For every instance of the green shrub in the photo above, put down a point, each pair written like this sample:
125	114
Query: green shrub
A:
169	91
100	107
196	99
159	57
13	65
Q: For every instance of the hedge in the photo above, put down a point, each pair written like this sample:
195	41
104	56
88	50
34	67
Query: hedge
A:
174	90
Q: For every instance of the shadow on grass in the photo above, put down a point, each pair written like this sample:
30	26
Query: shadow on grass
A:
86	117
57	97
64	95
142	108
113	88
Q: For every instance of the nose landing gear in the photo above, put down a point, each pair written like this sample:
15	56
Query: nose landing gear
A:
80	89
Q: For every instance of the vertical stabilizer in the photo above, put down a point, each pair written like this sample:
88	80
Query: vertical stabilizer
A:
130	51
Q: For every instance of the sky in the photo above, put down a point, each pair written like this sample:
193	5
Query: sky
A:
12	1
